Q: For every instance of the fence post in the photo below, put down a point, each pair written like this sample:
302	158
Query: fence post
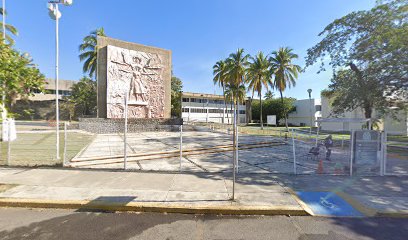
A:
294	152
342	142
385	153
351	152
125	134
181	144
64	160
236	149
8	142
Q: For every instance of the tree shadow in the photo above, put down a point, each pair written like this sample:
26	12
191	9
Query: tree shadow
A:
89	225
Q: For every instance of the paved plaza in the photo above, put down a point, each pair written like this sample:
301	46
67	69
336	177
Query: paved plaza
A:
211	151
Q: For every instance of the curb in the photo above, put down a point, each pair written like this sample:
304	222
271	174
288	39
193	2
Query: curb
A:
301	203
153	207
371	212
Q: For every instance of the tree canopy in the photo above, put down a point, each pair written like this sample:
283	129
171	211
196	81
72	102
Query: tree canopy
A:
176	92
10	29
370	48
88	51
18	75
83	96
273	106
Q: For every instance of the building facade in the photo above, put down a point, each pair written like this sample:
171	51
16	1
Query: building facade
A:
64	90
306	113
393	125
211	108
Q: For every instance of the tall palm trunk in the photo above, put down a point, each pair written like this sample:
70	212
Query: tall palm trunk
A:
284	110
261	118
232	115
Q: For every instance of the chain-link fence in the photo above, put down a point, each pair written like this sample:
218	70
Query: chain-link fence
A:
396	161
202	148
34	143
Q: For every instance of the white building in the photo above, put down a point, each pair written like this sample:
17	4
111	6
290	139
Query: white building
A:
389	124
201	107
64	89
307	112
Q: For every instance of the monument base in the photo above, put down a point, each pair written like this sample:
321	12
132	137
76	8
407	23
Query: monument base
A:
105	126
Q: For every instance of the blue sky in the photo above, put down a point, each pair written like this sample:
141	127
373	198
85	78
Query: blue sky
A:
199	32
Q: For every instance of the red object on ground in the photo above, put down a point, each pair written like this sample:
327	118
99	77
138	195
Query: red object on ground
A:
320	167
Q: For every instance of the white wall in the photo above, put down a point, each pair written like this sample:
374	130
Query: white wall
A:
388	124
305	112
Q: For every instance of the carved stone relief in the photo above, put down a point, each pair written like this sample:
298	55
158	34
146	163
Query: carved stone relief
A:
139	76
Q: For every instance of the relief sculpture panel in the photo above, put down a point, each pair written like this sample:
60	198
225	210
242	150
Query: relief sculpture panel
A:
139	77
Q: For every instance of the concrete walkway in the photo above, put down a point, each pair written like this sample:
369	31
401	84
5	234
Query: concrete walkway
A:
195	192
142	191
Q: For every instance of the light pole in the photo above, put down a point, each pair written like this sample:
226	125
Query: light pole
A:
310	109
55	14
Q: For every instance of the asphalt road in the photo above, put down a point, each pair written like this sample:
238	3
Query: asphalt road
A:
68	224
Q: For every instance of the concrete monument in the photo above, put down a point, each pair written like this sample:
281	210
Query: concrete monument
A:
139	73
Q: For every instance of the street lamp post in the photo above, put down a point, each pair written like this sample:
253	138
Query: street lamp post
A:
310	109
55	14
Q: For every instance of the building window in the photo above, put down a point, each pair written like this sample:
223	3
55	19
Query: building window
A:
241	111
198	100
184	110
36	91
198	110
318	108
215	111
186	99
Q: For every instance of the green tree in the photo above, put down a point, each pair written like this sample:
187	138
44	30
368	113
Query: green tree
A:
83	96
347	90
286	73
18	75
237	66
176	94
220	78
273	107
373	45
259	76
269	95
89	50
9	28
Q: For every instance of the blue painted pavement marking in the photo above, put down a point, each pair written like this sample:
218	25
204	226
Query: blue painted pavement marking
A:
328	204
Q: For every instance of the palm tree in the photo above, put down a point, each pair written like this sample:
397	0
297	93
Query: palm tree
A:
219	71
234	94
88	51
258	77
269	95
286	73
237	65
9	28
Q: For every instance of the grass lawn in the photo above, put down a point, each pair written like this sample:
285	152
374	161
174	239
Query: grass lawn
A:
39	148
398	138
301	132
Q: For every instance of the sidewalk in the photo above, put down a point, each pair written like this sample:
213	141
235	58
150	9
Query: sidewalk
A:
142	191
267	194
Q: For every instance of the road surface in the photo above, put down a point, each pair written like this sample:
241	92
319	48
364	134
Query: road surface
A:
53	224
